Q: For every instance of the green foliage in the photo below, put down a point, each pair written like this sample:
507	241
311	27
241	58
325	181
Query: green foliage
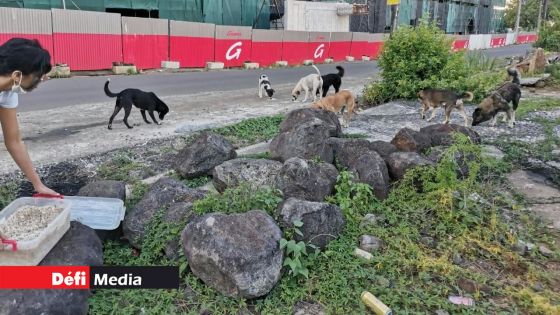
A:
8	194
549	34
119	167
240	199
418	58
480	61
251	131
297	257
527	106
529	14
554	70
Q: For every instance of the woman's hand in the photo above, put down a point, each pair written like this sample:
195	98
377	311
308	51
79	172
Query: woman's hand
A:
42	189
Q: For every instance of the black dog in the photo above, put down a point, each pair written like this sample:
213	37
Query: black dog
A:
334	79
146	101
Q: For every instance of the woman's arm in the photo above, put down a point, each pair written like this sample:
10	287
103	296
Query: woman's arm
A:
18	151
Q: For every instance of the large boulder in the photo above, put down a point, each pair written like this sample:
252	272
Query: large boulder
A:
207	151
322	222
161	195
298	117
409	140
238	254
384	149
400	162
106	189
307	180
442	134
78	247
307	141
255	172
367	166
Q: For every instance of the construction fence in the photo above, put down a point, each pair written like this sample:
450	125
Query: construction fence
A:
86	40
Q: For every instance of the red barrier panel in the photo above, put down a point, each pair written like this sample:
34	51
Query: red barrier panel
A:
359	46
524	38
87	40
318	46
375	45
266	47
145	41
460	42
294	46
29	24
192	44
498	40
341	43
532	38
233	45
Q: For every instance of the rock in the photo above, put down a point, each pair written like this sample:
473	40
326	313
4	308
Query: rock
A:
307	141
400	162
200	157
436	154
370	220
549	213
458	259
322	222
238	254
470	286
308	308
545	251
370	243
489	151
520	247
161	195
105	188
442	134
78	247
257	173
367	166
538	287
534	187
383	148
409	140
299	117
307	180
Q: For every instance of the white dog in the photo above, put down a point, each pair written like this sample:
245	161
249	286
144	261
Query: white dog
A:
312	83
264	85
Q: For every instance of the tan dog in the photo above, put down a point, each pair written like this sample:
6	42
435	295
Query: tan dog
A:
449	100
337	102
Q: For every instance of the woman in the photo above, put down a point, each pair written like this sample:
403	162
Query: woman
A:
23	65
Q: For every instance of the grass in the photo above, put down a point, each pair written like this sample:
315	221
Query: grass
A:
8	193
251	131
119	167
405	274
538	104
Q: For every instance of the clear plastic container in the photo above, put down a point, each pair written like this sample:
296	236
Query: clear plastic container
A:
30	253
96	212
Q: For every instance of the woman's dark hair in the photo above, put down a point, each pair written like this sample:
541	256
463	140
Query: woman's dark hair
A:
25	55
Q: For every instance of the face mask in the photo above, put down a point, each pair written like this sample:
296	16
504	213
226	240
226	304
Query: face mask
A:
16	88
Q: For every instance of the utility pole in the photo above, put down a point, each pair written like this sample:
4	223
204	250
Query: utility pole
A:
539	20
64	4
518	17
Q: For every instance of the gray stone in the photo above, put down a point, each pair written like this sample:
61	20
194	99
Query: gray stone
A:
534	187
307	180
199	158
161	195
299	117
308	308
409	140
322	222
239	254
370	220
105	188
428	241
549	213
370	243
78	247
307	141
258	173
442	134
400	162
545	251
489	151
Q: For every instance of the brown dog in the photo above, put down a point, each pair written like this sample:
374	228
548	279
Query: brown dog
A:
497	102
337	102
449	100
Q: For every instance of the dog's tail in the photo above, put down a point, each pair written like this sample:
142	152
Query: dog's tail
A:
107	91
340	71
468	96
515	74
317	69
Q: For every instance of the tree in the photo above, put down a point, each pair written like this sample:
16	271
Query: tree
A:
529	13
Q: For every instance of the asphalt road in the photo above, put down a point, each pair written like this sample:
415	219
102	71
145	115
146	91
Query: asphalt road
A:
89	90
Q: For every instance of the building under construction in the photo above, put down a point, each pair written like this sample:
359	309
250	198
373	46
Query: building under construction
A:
454	17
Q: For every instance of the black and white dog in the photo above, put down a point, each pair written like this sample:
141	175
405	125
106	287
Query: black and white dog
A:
265	86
